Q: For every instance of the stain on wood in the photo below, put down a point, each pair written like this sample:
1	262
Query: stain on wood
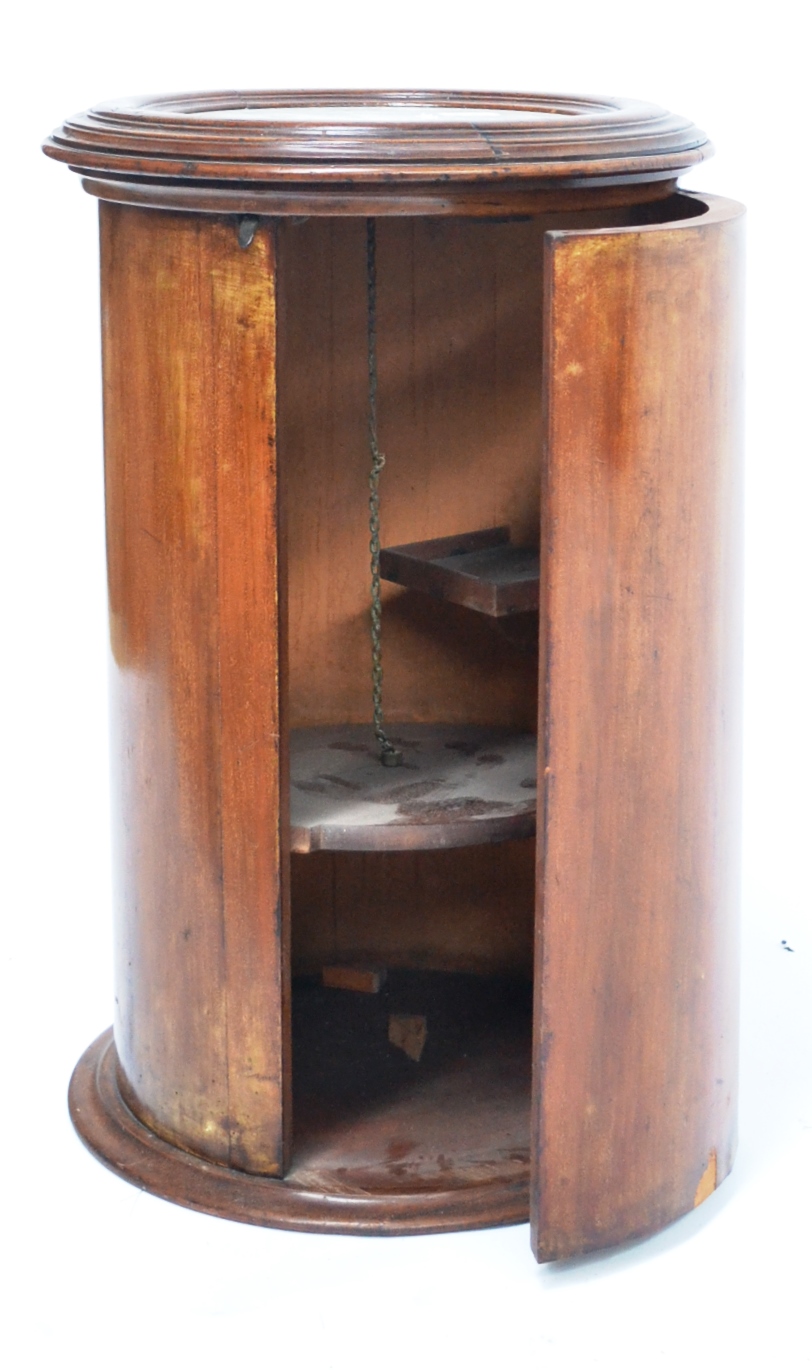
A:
457	787
708	1182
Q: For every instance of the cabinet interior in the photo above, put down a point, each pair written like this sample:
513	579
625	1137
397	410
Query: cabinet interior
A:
460	357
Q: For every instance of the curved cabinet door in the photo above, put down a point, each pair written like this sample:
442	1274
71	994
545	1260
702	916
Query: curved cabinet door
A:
189	341
635	1033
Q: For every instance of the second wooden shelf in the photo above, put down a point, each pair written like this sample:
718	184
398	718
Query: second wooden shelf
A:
480	570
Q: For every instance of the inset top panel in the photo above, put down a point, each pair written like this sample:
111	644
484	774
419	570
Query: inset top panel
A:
369	138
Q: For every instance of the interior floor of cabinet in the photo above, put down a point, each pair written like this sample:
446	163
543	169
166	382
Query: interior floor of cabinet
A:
368	1119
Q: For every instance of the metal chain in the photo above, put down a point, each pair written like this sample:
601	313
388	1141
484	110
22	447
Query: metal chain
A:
389	754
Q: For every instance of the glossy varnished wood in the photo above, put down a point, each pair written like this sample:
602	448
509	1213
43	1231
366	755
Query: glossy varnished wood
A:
491	200
196	621
636	957
376	152
557	341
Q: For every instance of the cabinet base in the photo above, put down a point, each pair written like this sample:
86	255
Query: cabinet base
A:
116	1137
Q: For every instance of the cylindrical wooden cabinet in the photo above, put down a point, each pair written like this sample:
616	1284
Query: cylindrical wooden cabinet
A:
497	980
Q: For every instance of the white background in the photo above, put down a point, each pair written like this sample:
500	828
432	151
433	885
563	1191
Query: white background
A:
97	1274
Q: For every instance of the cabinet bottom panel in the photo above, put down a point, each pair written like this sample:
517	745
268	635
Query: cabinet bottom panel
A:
384	1144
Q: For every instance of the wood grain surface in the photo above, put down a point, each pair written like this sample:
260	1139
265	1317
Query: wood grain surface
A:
196	608
468	910
636	970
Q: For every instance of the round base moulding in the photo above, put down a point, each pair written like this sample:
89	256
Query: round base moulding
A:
116	1137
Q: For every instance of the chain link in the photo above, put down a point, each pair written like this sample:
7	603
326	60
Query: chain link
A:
389	754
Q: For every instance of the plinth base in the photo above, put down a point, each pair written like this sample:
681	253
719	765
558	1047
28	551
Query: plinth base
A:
311	1202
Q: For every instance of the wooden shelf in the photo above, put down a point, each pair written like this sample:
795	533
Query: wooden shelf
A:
480	570
459	785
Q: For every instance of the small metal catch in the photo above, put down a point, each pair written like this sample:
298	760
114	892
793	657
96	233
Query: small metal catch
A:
246	229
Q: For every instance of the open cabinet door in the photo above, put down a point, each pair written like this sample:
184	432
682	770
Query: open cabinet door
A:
636	970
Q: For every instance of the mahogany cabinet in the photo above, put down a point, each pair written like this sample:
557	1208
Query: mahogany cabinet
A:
497	979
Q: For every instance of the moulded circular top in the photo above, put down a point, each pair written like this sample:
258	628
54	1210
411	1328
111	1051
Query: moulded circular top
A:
377	138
